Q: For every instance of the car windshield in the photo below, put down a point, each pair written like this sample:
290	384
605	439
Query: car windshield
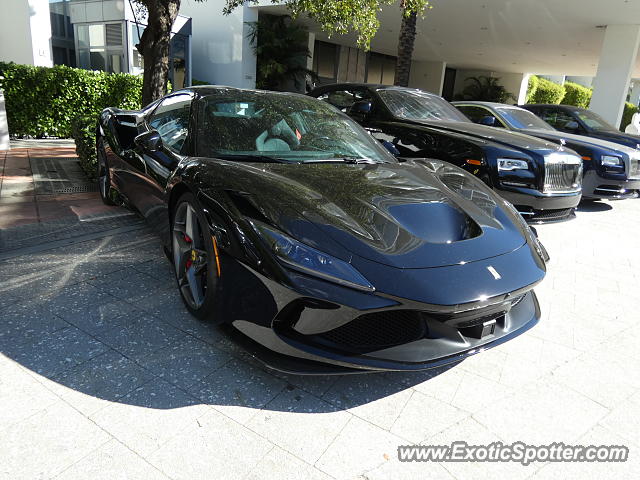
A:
417	105
266	126
519	118
594	121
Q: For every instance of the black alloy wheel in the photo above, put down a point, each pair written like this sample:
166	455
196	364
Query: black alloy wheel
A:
104	178
195	257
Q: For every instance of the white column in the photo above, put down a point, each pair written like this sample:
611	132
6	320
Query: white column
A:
428	76
635	92
617	60
311	45
4	127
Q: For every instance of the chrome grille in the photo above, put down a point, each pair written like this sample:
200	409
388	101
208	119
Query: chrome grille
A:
634	170
562	177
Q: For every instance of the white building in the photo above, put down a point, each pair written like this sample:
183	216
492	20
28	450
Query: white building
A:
591	41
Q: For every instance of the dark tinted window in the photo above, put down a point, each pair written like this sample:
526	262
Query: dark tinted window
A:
344	99
519	118
171	120
474	113
555	117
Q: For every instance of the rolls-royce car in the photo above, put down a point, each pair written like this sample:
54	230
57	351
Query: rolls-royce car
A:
610	170
542	179
581	121
289	224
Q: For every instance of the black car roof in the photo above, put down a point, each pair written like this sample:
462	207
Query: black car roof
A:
368	86
552	105
203	90
484	104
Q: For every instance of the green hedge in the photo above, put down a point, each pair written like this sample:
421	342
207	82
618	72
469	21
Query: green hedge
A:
629	110
43	101
576	95
545	91
83	131
532	88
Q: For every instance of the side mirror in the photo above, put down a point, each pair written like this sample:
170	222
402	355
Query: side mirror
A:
489	121
572	126
360	110
149	141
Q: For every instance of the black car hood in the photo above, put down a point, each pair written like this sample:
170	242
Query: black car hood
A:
627	139
577	139
495	135
416	214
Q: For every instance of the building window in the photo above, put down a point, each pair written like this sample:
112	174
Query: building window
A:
100	47
325	60
381	68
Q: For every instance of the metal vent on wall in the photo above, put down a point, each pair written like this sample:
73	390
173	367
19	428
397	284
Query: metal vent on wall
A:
114	34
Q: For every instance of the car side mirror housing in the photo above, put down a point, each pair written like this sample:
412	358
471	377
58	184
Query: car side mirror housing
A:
572	126
489	121
360	110
149	141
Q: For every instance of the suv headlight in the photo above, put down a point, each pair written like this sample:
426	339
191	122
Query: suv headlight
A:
303	258
510	164
612	161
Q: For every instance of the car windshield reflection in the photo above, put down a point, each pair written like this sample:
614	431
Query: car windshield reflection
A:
267	127
417	105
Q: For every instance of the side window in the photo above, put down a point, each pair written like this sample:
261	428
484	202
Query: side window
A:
556	118
475	114
171	120
343	99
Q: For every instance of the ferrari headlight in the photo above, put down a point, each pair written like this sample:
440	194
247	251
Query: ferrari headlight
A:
301	257
510	164
612	161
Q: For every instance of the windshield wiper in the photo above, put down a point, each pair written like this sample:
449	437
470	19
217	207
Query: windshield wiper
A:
351	160
254	158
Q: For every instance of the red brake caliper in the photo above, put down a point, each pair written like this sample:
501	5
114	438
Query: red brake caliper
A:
187	239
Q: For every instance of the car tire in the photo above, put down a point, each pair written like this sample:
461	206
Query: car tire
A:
104	175
195	258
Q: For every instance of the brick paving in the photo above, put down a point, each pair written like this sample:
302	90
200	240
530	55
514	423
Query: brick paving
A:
103	374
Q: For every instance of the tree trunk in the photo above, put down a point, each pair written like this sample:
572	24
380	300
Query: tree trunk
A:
406	41
154	47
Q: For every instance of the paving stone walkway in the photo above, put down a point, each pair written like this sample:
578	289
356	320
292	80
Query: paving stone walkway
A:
104	375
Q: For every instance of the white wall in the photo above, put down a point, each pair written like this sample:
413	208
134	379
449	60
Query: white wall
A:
428	76
221	52
25	32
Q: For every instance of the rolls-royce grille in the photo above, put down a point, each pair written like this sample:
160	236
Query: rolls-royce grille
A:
562	177
374	331
634	171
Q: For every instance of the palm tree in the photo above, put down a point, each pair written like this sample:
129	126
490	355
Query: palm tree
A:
281	49
486	89
406	42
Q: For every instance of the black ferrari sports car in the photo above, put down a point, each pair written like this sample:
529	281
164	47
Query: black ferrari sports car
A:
287	221
542	179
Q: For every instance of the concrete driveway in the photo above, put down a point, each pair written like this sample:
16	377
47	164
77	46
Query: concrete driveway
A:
103	373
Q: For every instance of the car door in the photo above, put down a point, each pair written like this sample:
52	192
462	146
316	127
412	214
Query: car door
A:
171	121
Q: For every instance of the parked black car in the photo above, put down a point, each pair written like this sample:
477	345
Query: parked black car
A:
610	170
286	220
580	121
540	178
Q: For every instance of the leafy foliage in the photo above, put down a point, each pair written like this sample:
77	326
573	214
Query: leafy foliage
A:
629	110
545	91
532	88
576	95
485	89
341	16
44	101
281	50
83	131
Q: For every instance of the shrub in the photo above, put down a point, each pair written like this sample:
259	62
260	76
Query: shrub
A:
629	110
576	95
83	131
43	101
532	88
547	92
486	89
